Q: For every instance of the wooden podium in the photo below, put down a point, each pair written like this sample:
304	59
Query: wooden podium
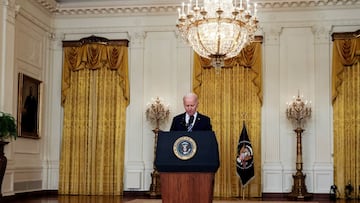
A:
187	163
187	187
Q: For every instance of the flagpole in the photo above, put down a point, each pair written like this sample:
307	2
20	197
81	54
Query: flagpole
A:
243	193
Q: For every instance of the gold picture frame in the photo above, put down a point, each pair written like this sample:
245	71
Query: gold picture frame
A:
28	107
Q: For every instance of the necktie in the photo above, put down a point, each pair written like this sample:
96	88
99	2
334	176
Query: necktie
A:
190	123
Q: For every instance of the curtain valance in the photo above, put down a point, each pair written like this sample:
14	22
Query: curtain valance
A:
95	56
249	57
346	52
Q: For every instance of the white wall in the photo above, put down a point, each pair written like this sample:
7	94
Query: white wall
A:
27	39
7	75
296	56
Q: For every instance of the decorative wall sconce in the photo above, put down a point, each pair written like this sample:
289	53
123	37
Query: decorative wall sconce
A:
297	112
156	113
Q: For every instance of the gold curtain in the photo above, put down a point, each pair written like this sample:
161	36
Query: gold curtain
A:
346	112
95	95
229	97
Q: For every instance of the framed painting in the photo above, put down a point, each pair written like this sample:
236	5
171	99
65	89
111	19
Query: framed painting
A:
28	107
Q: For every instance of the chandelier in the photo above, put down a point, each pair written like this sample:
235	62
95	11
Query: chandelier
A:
298	111
219	29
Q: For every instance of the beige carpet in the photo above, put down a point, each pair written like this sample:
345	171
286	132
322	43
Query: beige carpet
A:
215	201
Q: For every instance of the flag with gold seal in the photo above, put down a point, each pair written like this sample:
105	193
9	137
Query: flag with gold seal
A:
245	158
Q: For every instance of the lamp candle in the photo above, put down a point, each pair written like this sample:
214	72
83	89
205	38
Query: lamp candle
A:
183	8
189	6
255	9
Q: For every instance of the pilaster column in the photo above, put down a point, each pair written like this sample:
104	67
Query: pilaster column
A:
8	11
135	175
272	94
8	79
322	103
272	168
53	125
184	70
323	166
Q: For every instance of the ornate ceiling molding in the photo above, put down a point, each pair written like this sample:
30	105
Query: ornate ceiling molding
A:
49	5
125	7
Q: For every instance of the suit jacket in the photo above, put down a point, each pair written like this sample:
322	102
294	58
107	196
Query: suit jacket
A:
202	122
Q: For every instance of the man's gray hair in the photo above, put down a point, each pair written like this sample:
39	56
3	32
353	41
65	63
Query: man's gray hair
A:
191	94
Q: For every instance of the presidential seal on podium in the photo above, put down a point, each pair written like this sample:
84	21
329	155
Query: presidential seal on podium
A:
184	148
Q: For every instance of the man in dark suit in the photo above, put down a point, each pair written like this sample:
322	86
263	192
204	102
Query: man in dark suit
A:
191	120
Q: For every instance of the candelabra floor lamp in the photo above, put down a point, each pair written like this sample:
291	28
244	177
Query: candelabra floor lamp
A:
299	190
156	113
298	111
155	177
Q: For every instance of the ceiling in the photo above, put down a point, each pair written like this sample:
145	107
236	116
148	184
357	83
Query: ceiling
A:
73	1
122	1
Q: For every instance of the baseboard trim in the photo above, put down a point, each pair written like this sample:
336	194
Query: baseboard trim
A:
24	195
145	194
284	196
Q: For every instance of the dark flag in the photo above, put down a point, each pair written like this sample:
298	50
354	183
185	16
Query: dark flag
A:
244	158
